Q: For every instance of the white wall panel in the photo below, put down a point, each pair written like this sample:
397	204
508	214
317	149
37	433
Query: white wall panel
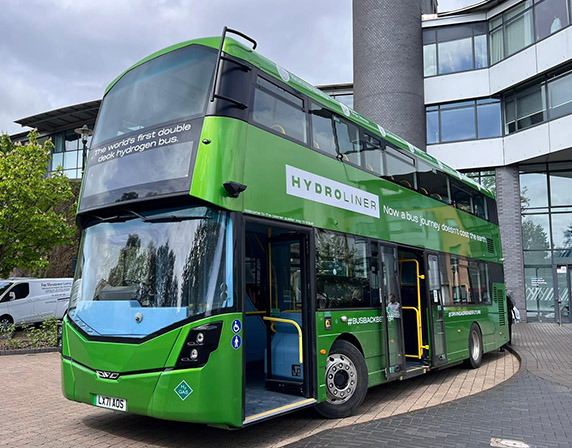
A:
526	144
513	70
560	133
457	86
554	50
471	154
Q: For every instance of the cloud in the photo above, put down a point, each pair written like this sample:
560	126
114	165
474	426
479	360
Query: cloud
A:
59	52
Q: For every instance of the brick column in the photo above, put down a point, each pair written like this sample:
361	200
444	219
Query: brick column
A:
508	204
388	66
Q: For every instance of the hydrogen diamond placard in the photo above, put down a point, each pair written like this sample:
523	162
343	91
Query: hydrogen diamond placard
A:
183	390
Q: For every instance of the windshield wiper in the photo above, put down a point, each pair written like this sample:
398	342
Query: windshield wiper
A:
115	218
152	219
173	218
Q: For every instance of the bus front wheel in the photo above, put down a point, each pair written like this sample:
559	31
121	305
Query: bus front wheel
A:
346	381
475	348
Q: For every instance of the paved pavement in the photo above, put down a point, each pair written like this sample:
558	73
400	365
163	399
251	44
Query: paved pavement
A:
534	407
34	412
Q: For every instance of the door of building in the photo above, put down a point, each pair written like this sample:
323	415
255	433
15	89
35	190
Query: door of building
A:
564	293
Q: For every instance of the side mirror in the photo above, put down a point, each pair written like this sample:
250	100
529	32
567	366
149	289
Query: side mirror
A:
12	295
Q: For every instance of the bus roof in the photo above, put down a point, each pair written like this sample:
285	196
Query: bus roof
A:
236	49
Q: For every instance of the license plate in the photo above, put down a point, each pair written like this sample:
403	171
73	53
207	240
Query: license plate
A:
117	404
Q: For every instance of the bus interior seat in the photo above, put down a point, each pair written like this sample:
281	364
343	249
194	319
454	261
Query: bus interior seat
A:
254	333
424	191
406	183
279	128
437	196
285	346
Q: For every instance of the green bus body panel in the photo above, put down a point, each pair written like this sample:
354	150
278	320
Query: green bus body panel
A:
369	333
217	387
240	51
258	159
110	356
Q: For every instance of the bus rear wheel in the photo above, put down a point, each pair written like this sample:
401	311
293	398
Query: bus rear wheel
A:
346	381
475	348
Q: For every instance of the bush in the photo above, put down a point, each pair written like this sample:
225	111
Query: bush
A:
42	336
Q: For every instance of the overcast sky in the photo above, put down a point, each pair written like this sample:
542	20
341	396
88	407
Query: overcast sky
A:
55	53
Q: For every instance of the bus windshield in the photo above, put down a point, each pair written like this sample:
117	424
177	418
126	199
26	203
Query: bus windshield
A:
138	274
148	127
167	88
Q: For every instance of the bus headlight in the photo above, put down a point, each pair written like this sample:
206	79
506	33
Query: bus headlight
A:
200	343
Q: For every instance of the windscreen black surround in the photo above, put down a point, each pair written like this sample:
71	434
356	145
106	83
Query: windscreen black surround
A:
148	129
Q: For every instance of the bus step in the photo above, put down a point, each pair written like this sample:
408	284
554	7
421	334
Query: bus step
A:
285	386
279	411
415	371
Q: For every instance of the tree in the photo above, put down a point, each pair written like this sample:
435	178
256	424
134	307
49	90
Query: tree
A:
31	220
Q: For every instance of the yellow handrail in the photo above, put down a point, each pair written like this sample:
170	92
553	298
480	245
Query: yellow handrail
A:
417	310
420	347
292	322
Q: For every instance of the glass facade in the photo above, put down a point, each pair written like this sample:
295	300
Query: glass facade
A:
344	98
68	153
457	48
466	120
486	178
546	98
547	238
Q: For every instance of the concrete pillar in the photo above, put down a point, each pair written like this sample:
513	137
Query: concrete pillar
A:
508	204
388	66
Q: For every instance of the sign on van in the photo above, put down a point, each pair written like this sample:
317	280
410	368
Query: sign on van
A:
55	287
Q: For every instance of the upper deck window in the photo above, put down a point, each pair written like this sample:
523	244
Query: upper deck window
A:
432	183
349	144
279	110
373	153
335	136
147	129
170	87
400	168
323	136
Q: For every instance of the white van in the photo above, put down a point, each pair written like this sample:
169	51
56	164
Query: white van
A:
33	300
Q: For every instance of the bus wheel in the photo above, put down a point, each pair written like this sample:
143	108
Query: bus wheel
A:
475	348
346	381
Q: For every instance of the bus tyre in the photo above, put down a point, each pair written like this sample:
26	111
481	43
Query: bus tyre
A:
346	381
475	348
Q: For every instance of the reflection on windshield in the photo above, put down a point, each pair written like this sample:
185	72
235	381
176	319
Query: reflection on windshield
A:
167	88
166	266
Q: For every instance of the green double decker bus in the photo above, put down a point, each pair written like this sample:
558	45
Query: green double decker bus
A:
250	246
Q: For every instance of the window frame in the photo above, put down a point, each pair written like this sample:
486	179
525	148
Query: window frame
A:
436	42
368	254
460	105
288	89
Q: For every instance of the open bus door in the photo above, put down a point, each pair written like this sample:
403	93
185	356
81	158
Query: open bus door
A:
414	308
391	304
436	311
278	373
